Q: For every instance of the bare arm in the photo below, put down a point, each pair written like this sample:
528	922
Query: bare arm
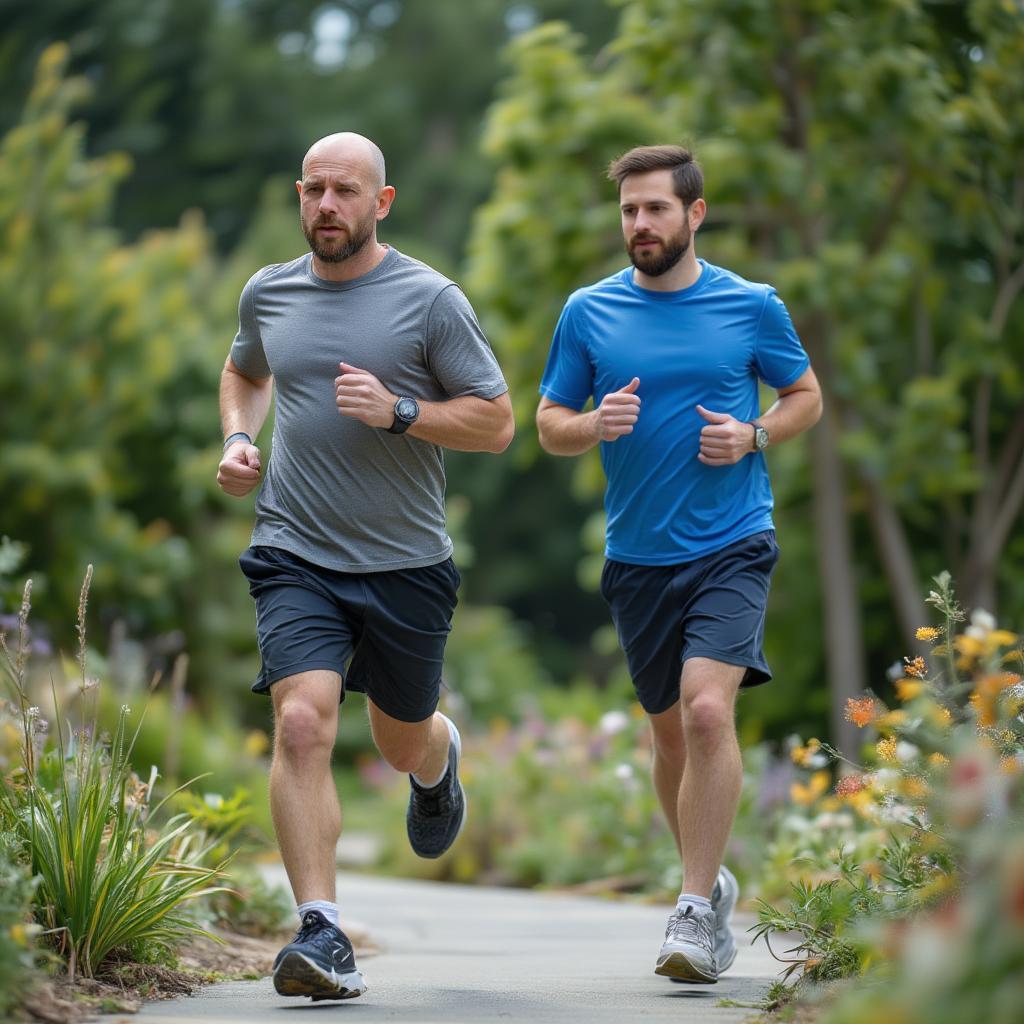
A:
244	403
466	424
564	431
725	440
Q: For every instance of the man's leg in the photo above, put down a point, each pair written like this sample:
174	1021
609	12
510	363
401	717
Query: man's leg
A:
418	748
303	800
319	962
713	776
698	774
668	764
429	751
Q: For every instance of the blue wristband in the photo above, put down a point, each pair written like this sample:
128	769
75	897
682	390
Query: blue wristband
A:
237	436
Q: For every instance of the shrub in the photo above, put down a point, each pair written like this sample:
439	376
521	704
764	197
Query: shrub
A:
917	884
109	878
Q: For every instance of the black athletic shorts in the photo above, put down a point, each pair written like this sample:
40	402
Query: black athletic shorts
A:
383	632
712	607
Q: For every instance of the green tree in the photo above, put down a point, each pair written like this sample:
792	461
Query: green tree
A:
858	160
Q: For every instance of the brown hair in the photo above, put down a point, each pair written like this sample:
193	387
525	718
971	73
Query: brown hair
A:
687	179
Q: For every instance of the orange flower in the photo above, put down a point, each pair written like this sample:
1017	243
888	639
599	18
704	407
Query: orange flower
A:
915	667
861	712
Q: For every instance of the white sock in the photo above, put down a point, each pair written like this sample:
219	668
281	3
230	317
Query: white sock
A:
687	899
329	910
453	735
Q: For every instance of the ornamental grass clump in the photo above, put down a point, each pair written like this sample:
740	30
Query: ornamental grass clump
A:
110	881
919	893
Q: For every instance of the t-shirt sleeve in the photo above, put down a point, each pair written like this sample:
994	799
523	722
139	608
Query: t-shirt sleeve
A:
779	358
457	351
247	349
568	376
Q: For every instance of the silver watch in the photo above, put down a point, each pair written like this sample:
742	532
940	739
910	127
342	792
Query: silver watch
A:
760	437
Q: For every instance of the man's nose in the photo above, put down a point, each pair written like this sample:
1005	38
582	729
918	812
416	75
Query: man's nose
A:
328	201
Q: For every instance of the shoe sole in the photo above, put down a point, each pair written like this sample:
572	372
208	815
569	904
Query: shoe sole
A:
297	975
679	967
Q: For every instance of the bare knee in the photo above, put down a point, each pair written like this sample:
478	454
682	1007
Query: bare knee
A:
707	717
303	731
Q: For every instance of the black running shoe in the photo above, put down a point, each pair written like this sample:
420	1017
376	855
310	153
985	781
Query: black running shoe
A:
435	816
318	962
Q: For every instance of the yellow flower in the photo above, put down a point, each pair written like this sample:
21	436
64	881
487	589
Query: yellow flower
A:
257	743
938	759
886	749
908	689
1001	638
806	795
802	755
927	633
1010	766
892	720
915	788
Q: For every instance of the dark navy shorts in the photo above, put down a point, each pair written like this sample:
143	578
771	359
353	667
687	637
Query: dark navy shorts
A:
383	632
712	607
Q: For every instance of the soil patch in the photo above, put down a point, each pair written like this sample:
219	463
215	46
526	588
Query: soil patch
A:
122	987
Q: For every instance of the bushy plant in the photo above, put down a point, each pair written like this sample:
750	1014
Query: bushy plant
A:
908	872
109	877
17	932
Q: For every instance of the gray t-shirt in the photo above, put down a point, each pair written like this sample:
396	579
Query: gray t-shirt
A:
337	492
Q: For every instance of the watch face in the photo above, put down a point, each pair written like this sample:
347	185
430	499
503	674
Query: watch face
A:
761	437
406	409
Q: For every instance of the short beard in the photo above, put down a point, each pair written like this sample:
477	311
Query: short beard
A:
656	264
357	240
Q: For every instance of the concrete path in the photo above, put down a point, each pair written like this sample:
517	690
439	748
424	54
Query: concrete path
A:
468	954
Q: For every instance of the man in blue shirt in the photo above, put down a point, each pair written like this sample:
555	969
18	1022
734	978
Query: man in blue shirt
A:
671	350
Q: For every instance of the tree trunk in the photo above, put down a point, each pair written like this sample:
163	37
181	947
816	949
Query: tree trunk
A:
898	561
844	642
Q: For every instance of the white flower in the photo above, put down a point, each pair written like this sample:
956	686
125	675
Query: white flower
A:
613	722
906	752
624	771
125	710
982	623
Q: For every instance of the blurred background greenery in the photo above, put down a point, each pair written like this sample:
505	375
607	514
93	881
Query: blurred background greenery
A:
864	157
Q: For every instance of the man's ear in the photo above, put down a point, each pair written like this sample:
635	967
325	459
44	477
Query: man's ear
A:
695	213
298	187
385	197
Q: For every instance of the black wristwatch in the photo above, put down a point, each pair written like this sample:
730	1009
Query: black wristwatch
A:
760	437
407	411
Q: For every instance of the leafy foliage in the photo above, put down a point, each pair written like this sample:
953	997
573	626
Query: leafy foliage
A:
108	878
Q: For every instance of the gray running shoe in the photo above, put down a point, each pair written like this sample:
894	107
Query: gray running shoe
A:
318	962
723	900
435	816
688	952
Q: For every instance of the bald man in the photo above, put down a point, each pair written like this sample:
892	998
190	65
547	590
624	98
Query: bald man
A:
378	364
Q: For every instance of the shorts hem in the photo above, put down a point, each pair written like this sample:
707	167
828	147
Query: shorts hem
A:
267	680
761	674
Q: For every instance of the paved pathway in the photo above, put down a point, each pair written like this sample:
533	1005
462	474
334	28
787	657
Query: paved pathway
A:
459	954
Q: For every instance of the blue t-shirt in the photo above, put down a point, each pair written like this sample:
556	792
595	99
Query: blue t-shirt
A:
707	344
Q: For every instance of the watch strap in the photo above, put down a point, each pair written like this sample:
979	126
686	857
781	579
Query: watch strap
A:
238	435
